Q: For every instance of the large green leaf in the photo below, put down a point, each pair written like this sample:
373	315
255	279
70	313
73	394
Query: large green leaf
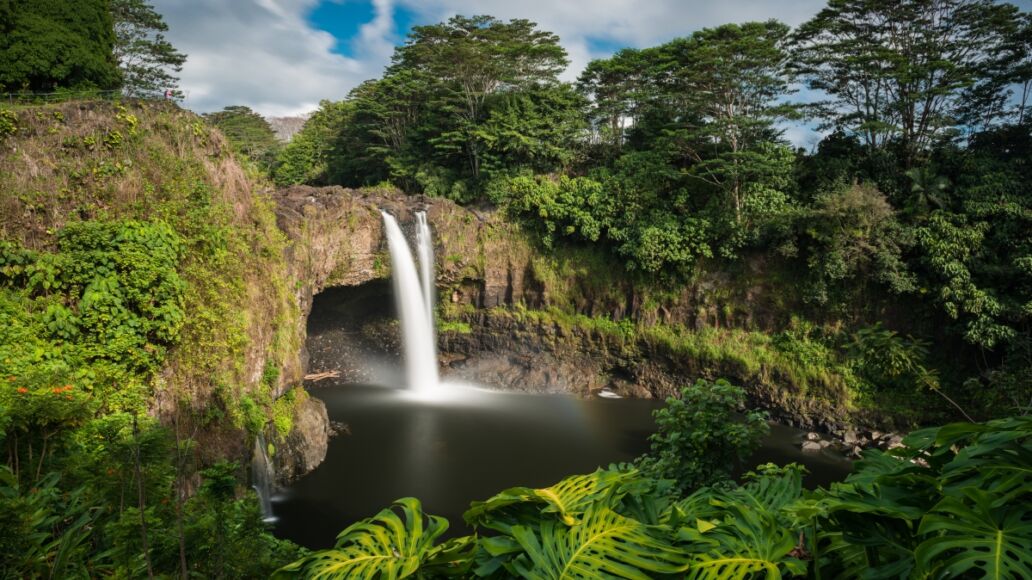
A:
743	532
971	534
738	540
566	499
603	544
382	547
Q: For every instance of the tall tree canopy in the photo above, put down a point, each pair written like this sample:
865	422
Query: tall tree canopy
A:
725	85
473	58
902	71
248	132
54	44
148	60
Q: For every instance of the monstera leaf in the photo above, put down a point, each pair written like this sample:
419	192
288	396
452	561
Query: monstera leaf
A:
602	544
998	460
743	532
566	500
971	534
384	546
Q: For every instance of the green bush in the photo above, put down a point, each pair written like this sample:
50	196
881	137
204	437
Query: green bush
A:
699	440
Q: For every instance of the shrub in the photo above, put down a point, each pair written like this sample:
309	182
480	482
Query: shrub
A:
699	438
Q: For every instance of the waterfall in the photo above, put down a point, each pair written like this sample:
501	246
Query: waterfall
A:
414	305
262	476
425	250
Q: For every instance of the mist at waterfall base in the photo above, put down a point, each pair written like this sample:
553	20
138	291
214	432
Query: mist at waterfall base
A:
450	444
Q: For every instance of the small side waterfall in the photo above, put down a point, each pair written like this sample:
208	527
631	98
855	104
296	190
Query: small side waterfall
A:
262	476
415	303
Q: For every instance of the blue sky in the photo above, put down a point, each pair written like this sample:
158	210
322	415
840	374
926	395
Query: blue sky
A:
281	57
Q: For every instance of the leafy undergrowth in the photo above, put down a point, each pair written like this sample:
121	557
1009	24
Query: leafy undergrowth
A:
140	273
87	166
953	502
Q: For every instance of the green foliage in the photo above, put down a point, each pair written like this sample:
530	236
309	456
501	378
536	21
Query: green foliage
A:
562	208
611	523
307	158
148	61
384	546
58	44
134	279
464	101
248	132
949	243
953	501
8	124
886	360
902	71
851	237
698	441
107	305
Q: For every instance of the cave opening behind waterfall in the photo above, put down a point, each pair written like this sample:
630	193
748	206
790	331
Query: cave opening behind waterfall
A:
353	336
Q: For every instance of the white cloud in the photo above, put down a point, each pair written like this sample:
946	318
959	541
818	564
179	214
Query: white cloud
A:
266	55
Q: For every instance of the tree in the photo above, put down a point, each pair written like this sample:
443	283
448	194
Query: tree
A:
148	60
308	156
729	81
851	237
385	137
57	44
538	129
248	132
472	58
901	71
617	89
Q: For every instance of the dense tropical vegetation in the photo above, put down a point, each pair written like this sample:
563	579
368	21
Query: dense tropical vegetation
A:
900	245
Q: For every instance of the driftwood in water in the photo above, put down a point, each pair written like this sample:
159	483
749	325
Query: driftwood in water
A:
322	375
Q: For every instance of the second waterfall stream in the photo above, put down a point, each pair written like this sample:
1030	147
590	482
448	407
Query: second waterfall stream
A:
414	297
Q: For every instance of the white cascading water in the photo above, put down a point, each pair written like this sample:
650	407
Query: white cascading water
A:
414	310
262	476
425	251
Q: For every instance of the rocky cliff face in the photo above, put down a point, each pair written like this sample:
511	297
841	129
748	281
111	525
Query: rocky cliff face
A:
539	355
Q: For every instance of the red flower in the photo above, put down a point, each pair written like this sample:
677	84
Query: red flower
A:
22	390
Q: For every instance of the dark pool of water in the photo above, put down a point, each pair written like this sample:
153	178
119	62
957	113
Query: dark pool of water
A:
470	446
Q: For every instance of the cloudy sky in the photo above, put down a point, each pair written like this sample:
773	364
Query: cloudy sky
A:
281	57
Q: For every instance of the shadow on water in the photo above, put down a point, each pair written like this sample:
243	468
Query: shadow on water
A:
469	447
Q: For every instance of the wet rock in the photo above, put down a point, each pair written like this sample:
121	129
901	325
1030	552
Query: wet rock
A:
894	441
850	437
812	436
811	446
305	447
